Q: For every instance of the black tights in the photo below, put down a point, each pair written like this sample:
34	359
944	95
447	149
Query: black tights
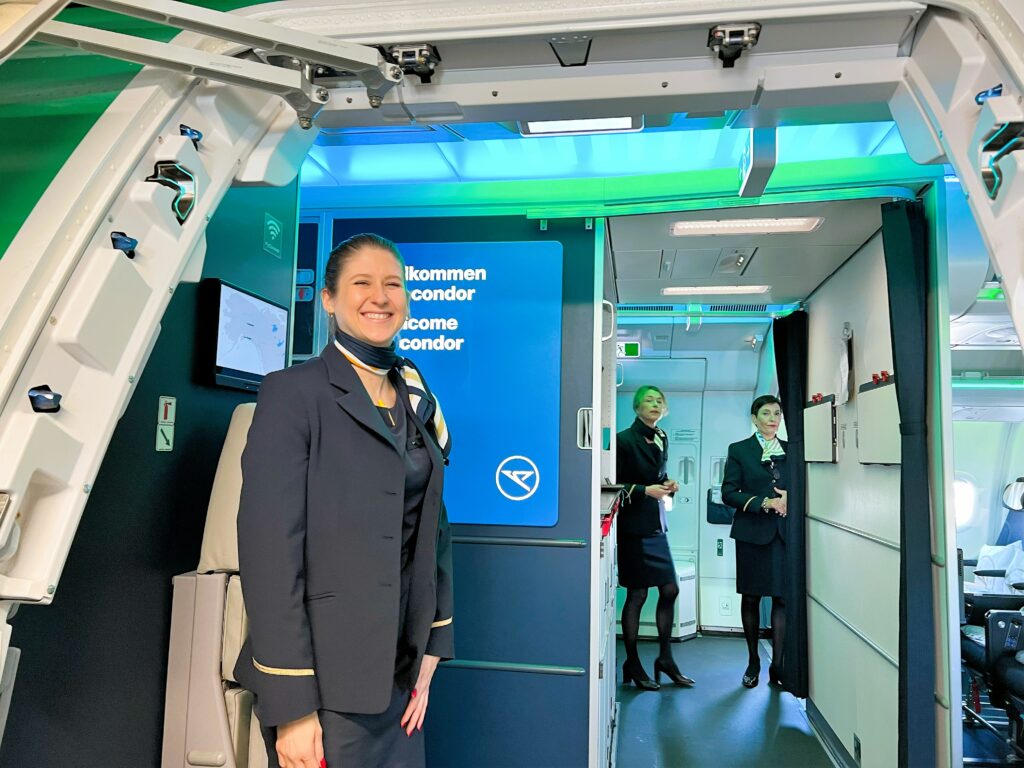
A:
635	599
750	611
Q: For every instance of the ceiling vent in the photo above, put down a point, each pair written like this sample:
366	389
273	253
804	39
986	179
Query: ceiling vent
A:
735	308
646	308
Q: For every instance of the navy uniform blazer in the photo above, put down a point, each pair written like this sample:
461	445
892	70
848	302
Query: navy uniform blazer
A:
747	483
637	465
319	547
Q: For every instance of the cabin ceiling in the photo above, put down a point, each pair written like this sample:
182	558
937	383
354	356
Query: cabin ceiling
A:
984	341
647	258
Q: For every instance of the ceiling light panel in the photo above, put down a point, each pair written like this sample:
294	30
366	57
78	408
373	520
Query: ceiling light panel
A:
576	127
793	225
715	290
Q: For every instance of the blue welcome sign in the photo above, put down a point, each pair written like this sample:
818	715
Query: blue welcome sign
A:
486	330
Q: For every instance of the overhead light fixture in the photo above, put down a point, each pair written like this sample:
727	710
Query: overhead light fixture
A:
714	290
577	127
793	225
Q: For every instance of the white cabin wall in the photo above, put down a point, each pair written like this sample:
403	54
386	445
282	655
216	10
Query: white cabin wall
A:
981	451
767	374
853	527
1014	466
726	419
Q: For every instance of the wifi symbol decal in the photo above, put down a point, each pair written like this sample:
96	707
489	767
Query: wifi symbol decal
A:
273	235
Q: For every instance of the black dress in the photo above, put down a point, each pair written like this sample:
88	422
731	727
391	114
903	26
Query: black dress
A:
378	740
644	558
760	536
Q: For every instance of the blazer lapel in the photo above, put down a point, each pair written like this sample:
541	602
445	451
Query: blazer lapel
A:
648	449
354	399
754	450
431	512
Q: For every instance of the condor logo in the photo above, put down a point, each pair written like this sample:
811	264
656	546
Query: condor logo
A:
180	179
517	478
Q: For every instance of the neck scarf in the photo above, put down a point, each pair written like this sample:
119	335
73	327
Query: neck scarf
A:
653	434
769	448
382	360
378	359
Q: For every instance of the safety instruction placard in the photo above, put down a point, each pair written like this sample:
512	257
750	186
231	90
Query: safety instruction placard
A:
165	437
165	417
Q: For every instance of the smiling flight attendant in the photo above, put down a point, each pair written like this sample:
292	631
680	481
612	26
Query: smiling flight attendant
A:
343	539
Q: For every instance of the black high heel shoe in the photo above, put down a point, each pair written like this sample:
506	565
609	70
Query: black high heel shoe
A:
668	666
774	675
639	678
752	675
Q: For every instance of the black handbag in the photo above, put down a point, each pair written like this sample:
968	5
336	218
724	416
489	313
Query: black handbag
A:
719	513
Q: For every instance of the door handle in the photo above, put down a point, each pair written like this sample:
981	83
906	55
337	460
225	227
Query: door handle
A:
611	313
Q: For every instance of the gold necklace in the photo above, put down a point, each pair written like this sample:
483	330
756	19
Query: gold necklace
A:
380	400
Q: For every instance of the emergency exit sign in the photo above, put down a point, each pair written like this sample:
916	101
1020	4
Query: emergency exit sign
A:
627	349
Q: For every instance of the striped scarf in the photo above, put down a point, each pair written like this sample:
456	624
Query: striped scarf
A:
769	448
423	402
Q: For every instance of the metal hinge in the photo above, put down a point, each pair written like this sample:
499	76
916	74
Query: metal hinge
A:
728	41
420	59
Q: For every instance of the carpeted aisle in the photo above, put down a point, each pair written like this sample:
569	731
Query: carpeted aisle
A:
718	723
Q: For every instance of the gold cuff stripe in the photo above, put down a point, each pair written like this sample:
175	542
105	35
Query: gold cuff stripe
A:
283	672
444	623
748	503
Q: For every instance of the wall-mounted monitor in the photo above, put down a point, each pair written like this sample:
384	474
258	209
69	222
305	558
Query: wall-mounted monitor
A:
243	336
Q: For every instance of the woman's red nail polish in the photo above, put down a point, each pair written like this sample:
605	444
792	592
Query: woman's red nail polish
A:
414	693
323	762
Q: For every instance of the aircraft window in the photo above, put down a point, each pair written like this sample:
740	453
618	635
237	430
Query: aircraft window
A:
965	496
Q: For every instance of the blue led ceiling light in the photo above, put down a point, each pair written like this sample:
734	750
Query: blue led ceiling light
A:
492	152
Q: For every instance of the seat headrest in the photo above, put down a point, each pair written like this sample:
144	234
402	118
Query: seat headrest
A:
220	537
1013	495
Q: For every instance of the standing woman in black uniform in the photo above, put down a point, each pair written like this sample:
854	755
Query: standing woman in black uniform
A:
755	485
343	540
644	558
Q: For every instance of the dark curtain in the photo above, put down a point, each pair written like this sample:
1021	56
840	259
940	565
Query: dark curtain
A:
904	236
791	364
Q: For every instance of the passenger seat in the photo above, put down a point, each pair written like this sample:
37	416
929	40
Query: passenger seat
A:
208	718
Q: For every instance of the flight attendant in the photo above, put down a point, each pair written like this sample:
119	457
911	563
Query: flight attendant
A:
644	558
755	485
343	540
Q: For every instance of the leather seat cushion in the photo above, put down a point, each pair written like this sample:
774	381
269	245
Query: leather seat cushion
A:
220	539
972	646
